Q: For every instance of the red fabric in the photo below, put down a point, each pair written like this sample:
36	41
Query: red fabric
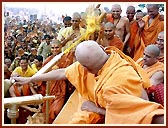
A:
25	90
109	18
158	93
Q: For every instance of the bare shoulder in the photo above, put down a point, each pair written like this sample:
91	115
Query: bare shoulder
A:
116	36
158	74
125	19
157	78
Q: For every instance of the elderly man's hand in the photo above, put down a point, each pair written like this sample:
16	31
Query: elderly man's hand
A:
141	23
91	107
21	80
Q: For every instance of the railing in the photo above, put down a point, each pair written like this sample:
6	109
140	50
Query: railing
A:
13	104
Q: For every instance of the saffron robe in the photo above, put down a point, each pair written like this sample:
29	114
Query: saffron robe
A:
116	88
150	32
133	41
148	35
116	42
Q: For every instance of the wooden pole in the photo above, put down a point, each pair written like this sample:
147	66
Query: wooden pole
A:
47	104
13	113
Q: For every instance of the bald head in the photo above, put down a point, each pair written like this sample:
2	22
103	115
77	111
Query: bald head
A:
88	50
153	49
109	31
91	55
132	8
161	33
109	24
116	11
152	6
139	15
55	41
152	10
76	15
116	6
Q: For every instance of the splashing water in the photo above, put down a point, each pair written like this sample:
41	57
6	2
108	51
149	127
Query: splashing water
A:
93	20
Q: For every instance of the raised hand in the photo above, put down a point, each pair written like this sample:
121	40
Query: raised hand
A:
98	6
141	23
72	36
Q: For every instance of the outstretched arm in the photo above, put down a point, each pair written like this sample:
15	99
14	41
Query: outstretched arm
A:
58	74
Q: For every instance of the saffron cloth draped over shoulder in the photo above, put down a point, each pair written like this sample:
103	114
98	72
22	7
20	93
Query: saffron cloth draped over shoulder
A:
117	88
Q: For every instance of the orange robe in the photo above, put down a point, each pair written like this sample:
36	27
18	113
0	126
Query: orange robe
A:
148	35
132	42
117	42
116	88
150	32
57	88
139	46
109	18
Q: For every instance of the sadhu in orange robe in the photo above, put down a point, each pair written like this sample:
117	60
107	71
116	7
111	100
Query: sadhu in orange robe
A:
116	42
134	35
158	66
133	41
116	88
149	34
